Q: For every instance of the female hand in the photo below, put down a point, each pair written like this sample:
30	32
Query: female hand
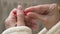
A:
15	20
48	14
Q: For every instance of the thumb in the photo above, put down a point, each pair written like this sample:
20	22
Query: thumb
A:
20	16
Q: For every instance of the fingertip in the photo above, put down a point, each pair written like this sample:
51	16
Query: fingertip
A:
19	10
13	12
19	7
30	9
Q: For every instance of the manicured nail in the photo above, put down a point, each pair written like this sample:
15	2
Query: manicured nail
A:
14	13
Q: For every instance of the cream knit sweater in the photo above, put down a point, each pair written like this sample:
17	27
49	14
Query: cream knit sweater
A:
54	30
26	30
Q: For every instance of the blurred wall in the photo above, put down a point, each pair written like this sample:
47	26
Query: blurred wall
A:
7	5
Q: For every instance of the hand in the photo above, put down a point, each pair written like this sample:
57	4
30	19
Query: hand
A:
15	20
48	14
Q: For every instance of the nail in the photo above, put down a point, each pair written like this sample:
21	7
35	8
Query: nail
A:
19	7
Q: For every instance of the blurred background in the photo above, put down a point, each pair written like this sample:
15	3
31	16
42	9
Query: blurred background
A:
7	5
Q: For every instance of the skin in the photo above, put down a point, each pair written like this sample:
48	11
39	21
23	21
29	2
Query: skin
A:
48	14
11	20
17	18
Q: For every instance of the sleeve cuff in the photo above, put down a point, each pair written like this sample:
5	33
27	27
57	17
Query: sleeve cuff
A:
18	30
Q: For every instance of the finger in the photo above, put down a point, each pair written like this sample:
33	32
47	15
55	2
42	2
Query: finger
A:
30	22
34	24
20	16
11	20
12	15
36	16
37	9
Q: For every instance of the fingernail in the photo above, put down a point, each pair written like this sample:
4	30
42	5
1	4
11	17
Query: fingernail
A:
19	7
14	13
